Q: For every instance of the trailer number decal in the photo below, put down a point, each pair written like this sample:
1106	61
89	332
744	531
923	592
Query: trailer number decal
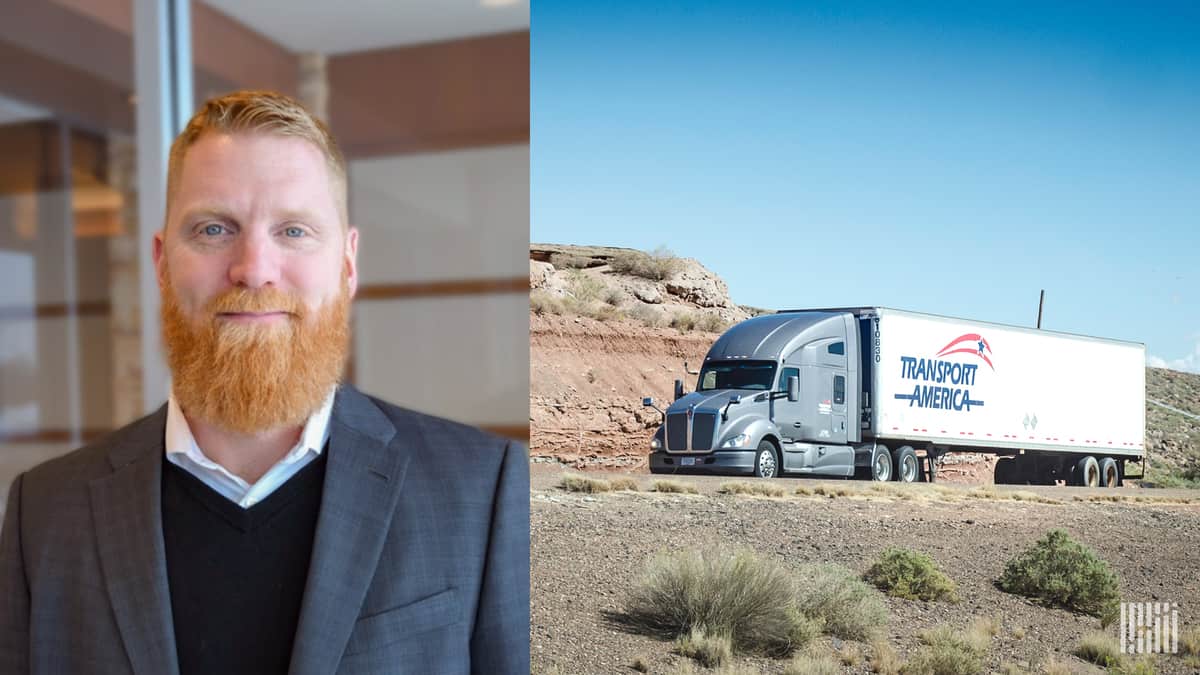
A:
939	372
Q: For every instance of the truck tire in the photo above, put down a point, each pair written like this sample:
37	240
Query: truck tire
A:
1087	472
904	461
1110	475
881	464
766	461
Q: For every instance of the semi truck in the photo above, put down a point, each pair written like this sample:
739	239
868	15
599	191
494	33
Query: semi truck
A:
884	394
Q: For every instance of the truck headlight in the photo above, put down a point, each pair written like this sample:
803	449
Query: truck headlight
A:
739	441
655	444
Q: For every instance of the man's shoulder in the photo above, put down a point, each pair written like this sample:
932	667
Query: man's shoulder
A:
97	457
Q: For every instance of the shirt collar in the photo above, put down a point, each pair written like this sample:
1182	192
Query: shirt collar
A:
180	441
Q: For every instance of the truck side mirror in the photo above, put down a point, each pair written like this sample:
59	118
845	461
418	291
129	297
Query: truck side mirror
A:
678	389
647	402
793	388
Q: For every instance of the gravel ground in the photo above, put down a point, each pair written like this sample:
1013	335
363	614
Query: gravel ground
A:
587	550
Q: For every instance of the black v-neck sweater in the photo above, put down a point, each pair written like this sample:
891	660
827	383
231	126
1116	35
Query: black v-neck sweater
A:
237	575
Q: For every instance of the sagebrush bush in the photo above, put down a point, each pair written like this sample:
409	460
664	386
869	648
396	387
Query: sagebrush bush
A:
812	664
564	261
542	302
744	488
585	287
848	606
725	592
912	575
884	659
684	321
709	649
710	323
657	265
1061	571
1100	649
623	483
647	315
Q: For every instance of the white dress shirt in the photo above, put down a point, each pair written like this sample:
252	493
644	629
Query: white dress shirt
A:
183	452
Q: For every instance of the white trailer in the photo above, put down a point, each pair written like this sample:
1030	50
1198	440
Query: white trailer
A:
859	391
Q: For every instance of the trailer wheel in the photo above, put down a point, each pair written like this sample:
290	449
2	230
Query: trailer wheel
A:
881	464
765	463
905	462
1109	475
1087	472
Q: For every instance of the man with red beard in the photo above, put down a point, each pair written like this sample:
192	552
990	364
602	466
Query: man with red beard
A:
267	519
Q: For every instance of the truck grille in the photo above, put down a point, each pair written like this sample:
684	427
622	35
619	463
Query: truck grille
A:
677	432
704	426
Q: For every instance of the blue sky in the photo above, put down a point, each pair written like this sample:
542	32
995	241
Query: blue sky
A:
950	158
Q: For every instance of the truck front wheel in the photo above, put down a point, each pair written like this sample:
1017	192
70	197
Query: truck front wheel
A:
765	463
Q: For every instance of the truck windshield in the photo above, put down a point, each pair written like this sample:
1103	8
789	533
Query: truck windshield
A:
737	375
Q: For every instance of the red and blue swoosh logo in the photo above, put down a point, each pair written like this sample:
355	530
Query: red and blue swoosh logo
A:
969	343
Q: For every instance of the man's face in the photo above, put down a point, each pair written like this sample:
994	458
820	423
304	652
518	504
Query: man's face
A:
254	211
256	271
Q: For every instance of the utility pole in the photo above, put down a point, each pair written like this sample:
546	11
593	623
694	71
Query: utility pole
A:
1041	300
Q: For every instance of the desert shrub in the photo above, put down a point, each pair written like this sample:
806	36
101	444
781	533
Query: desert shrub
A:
849	608
566	261
585	287
647	315
710	650
639	664
1100	649
675	487
613	296
710	323
1056	667
884	659
684	321
1061	571
744	488
911	575
623	483
605	313
725	592
948	651
850	654
573	483
657	265
542	302
1189	641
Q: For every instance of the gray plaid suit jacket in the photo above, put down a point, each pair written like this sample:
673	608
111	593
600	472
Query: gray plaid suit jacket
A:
420	560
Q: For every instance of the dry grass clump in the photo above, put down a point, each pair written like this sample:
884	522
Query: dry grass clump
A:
623	483
1061	571
850	654
1019	632
647	315
658	265
1189	641
736	594
803	490
585	287
949	651
541	302
833	491
1100	649
744	488
639	664
845	604
1056	667
684	321
812	664
675	487
613	296
710	650
912	575
575	483
884	659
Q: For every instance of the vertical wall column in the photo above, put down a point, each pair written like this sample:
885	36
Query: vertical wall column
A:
314	84
123	254
163	74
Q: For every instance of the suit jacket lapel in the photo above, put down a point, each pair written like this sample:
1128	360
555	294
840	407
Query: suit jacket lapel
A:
126	505
362	484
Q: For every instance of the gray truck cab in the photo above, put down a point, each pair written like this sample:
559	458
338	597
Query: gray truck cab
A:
776	393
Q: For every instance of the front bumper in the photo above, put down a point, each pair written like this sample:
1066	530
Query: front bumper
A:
720	462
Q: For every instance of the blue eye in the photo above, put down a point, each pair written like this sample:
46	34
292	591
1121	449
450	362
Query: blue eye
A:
214	230
294	232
